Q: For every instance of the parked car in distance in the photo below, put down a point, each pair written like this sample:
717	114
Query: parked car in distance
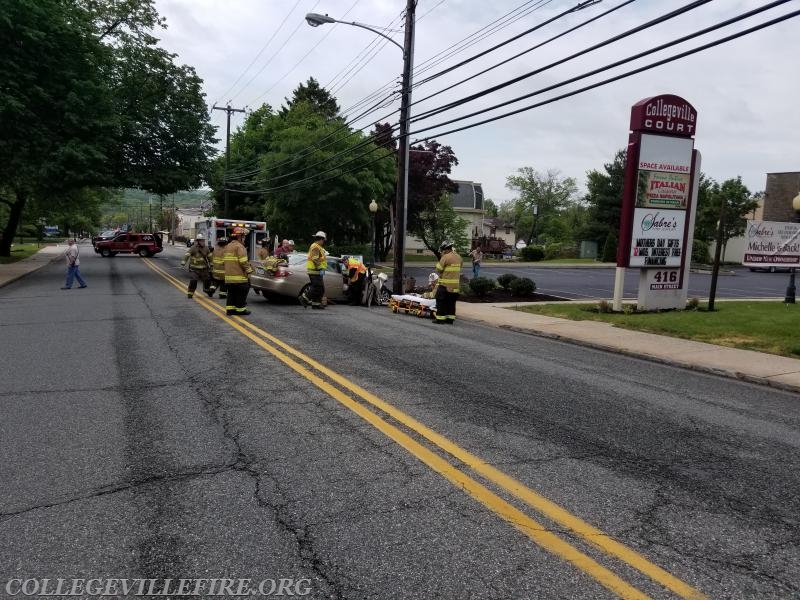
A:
143	244
292	280
110	234
772	269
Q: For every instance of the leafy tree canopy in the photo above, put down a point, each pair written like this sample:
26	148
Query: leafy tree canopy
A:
543	197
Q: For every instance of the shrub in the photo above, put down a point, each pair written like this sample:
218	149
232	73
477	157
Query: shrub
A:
610	247
481	285
522	286
692	304
532	253
604	306
505	280
700	253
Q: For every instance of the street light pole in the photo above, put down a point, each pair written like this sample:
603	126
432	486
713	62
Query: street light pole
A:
373	209
789	297
401	210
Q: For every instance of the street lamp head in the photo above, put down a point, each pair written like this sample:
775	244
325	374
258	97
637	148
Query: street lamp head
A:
796	203
373	207
316	19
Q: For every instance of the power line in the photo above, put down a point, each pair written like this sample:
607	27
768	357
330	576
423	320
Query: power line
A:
657	21
611	79
658	63
264	47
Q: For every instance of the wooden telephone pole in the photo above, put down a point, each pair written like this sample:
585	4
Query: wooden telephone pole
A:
228	110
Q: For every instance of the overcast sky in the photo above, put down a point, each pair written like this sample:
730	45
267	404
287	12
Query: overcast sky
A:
746	91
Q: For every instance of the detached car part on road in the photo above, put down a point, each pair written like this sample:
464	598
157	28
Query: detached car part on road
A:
143	244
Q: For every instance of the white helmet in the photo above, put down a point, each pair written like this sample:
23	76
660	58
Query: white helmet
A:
321	234
433	278
200	236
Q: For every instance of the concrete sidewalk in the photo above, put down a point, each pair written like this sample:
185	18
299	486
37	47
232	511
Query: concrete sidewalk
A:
756	367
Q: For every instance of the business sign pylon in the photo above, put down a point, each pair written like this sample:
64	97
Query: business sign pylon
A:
659	201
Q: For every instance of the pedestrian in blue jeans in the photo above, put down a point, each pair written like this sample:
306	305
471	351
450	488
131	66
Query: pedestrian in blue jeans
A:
477	257
73	266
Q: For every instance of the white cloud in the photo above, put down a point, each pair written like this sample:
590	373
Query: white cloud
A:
745	91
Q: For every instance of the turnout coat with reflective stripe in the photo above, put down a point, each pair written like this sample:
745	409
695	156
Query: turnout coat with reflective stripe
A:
197	257
235	263
317	260
218	263
449	270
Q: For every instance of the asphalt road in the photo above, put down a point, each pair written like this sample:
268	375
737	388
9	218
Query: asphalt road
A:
589	283
146	436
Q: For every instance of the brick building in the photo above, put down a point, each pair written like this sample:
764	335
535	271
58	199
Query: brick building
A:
781	190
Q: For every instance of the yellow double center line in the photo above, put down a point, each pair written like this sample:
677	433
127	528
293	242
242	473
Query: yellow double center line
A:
530	527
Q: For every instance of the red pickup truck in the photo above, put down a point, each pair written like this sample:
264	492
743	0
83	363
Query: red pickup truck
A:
143	244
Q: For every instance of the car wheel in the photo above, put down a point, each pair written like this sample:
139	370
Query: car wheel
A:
384	296
105	252
143	252
772	269
304	292
752	269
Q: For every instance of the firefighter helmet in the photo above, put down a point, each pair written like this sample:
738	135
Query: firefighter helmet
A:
446	245
200	236
222	241
321	234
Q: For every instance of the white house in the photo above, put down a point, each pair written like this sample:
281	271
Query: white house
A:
468	203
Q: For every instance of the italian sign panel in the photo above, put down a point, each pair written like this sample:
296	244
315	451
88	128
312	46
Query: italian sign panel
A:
772	244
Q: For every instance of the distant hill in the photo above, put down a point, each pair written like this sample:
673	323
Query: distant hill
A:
181	199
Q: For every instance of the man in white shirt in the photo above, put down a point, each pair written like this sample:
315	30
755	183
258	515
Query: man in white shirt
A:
73	266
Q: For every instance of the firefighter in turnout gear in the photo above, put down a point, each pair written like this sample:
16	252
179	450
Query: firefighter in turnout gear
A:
356	277
316	266
218	267
449	270
237	273
198	257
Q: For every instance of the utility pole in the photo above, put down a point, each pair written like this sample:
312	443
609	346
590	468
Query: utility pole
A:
228	110
402	151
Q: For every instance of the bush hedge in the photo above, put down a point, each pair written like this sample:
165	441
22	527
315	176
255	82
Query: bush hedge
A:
505	280
522	286
481	285
532	253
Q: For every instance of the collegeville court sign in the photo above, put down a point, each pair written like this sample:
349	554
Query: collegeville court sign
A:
659	201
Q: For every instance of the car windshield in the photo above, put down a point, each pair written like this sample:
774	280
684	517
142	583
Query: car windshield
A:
297	259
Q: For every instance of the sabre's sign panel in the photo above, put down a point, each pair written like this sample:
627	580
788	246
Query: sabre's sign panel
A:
657	238
772	244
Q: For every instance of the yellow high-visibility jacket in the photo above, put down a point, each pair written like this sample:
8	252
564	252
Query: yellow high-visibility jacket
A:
317	259
235	263
217	263
449	270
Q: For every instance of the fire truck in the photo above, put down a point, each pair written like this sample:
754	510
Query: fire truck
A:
215	227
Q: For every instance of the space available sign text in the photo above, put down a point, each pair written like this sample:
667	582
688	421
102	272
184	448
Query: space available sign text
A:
772	243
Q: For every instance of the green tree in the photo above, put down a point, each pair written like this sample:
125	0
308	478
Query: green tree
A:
604	200
439	223
311	93
302	169
88	100
542	198
490	208
739	203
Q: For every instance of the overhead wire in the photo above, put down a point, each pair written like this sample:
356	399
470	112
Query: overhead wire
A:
239	175
526	51
615	64
630	73
639	28
258	54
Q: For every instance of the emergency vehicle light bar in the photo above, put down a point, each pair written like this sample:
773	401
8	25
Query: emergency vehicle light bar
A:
248	224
